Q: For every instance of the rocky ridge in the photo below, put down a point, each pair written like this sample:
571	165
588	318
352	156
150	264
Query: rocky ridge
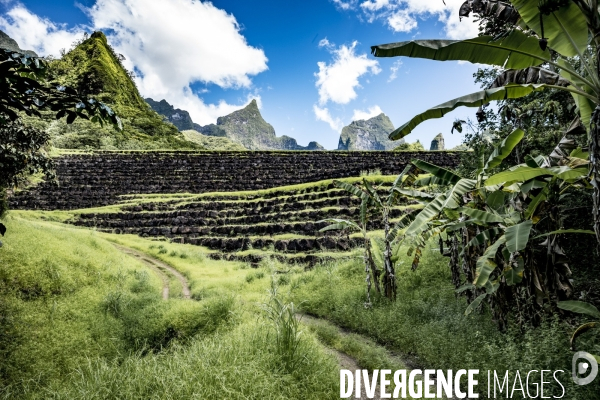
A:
370	134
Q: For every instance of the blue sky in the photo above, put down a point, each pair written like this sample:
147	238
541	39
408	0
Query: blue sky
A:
307	63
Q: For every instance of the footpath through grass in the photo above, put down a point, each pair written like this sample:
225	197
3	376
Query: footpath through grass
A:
80	320
428	326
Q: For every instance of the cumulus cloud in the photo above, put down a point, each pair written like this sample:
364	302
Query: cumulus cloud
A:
402	21
194	42
337	82
403	15
368	114
170	44
38	34
374	5
394	70
345	4
324	115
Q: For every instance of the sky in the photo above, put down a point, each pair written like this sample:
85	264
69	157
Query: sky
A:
308	64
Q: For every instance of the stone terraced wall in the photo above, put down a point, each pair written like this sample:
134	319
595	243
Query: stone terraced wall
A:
98	179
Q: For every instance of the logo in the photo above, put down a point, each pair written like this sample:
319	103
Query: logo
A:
583	363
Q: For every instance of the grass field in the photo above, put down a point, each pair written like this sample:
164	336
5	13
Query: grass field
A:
82	320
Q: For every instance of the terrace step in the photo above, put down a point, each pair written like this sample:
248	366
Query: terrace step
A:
97	179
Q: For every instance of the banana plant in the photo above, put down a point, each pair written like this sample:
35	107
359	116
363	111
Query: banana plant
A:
371	203
582	307
545	37
372	272
488	223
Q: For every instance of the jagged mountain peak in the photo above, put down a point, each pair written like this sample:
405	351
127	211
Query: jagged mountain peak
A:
245	126
369	134
8	43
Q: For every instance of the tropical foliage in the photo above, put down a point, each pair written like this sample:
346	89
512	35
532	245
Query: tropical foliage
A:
25	90
372	203
550	44
502	232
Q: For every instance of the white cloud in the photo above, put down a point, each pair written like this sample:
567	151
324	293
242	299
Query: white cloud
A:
38	34
337	81
325	43
194	42
402	21
375	5
345	5
172	44
401	15
370	113
394	68
323	114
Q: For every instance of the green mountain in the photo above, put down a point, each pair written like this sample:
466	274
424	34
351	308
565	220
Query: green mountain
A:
180	118
8	43
371	134
94	69
215	143
248	128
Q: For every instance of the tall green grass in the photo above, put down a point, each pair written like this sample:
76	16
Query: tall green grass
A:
427	323
80	320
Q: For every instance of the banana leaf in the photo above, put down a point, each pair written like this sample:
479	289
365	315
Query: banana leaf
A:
514	274
517	236
475	304
566	28
484	237
523	174
481	217
504	149
585	105
579	307
530	75
397	183
561	231
485	263
421	221
404	221
444	175
338	224
415	194
514	51
581	330
361	194
520	174
454	195
495	200
535	203
476	99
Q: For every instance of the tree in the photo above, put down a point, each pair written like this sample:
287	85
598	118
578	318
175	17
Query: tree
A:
372	203
24	89
552	44
502	231
416	146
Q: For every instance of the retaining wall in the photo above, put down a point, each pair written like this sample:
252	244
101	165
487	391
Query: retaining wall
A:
91	180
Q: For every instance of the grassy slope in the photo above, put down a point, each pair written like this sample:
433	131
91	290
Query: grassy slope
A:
94	69
427	323
212	143
82	321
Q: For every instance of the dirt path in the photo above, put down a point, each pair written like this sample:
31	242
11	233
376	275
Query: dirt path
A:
162	269
349	363
345	361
